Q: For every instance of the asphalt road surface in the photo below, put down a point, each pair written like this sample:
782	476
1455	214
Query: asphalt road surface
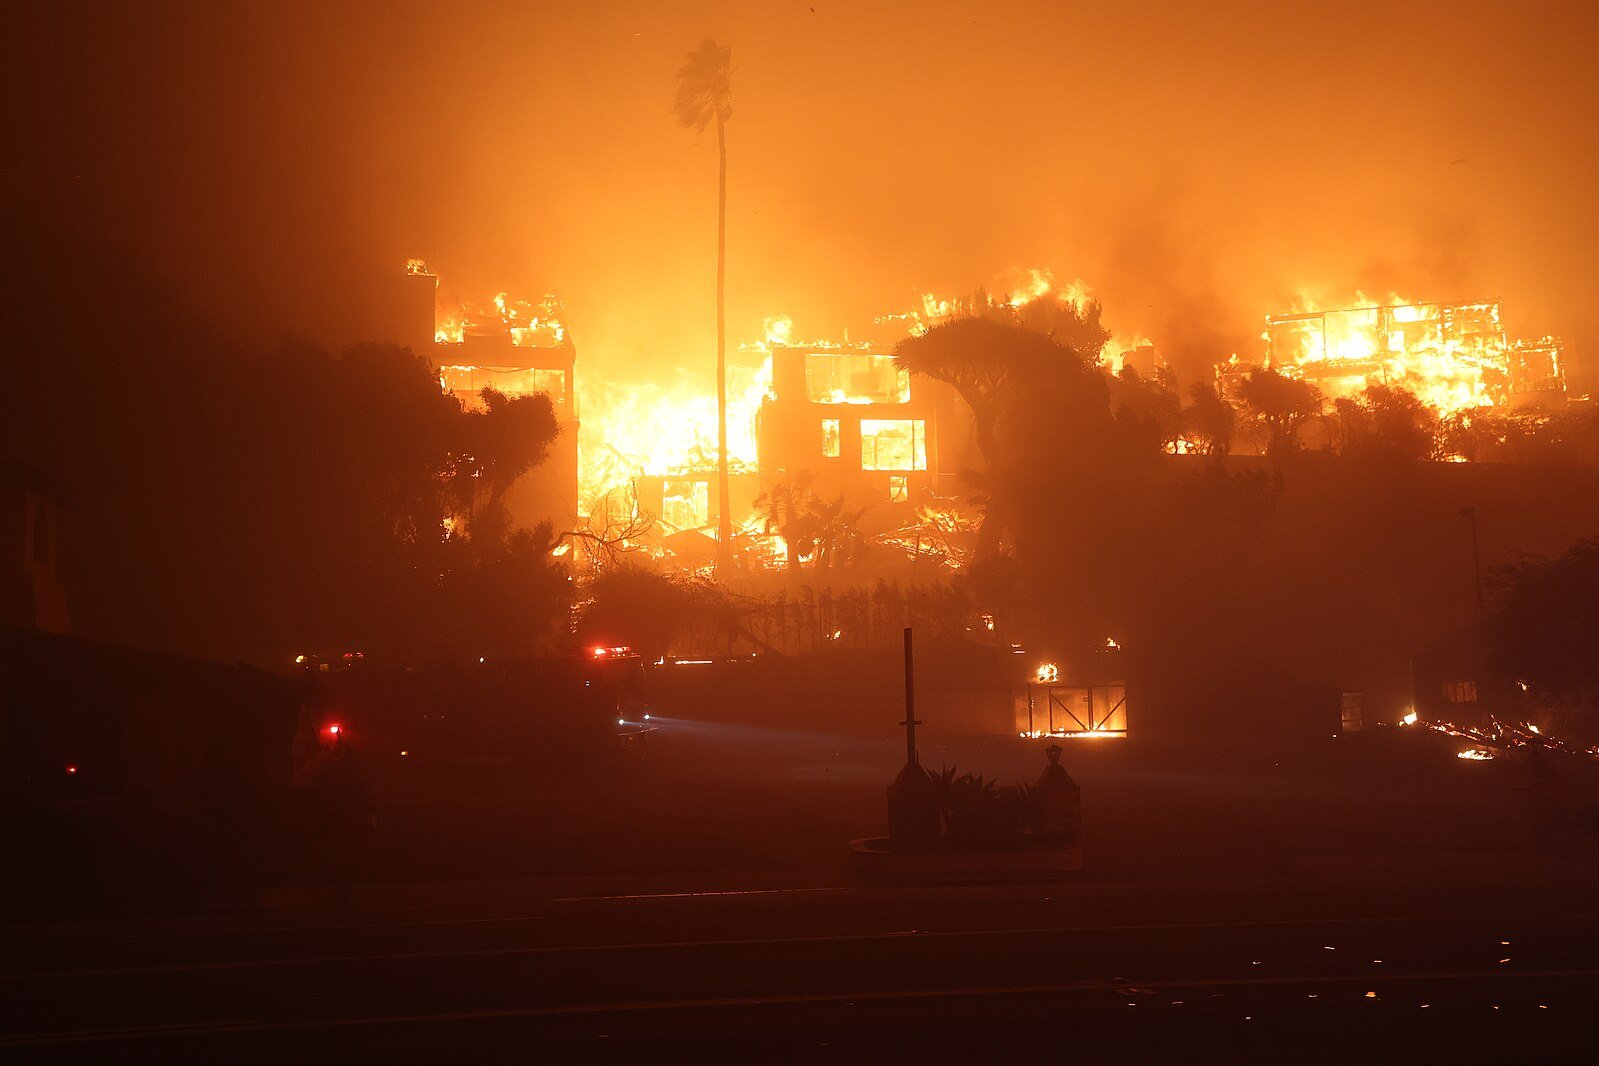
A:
1313	969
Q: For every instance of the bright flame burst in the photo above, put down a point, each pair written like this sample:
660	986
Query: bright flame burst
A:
1453	357
530	323
628	432
665	429
1019	290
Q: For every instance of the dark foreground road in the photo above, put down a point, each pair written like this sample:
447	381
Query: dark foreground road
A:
1413	969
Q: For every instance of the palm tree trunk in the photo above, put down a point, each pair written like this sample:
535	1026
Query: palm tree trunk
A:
724	518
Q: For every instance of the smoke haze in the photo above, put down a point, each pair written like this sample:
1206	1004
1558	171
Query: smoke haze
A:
1198	167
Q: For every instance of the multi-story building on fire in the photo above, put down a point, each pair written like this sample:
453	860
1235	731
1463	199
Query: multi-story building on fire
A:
843	420
851	416
1452	356
516	348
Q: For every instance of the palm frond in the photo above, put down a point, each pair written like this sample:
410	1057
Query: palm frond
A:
704	86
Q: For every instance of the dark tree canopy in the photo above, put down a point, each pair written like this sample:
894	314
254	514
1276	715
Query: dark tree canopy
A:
1544	628
704	86
248	504
1386	423
1280	406
1001	369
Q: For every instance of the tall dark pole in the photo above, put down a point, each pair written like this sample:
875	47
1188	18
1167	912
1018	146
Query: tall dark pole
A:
910	723
915	809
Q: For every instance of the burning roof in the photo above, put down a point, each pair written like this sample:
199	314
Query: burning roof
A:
528	323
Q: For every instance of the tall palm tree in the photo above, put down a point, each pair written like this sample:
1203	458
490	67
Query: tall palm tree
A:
705	95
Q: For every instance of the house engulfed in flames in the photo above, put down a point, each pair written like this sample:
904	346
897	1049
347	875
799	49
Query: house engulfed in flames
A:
844	421
518	348
1453	357
836	420
839	417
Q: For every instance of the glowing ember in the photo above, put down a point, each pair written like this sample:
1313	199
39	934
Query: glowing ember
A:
1475	754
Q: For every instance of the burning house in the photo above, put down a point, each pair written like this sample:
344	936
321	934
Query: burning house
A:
518	348
1452	356
851	416
836	421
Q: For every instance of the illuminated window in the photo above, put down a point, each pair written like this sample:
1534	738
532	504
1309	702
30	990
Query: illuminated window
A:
1460	691
893	444
686	504
899	488
830	438
468	382
855	377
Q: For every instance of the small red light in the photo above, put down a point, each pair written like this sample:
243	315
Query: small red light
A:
334	729
72	768
599	653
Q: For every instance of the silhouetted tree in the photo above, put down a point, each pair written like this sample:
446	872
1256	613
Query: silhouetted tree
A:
1068	323
838	533
1568	436
657	614
253	505
500	599
1281	406
1387	423
1544	626
789	508
1483	434
504	440
704	96
1208	421
1146	410
1012	377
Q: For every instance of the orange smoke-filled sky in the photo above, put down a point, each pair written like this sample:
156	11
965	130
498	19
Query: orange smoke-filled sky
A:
1197	165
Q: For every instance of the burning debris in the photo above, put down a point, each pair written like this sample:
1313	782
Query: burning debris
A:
1499	738
1452	357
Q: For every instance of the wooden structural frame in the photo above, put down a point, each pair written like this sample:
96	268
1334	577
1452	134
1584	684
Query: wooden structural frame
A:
1066	710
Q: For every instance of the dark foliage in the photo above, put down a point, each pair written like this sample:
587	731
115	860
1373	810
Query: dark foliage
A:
1544	629
236	503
